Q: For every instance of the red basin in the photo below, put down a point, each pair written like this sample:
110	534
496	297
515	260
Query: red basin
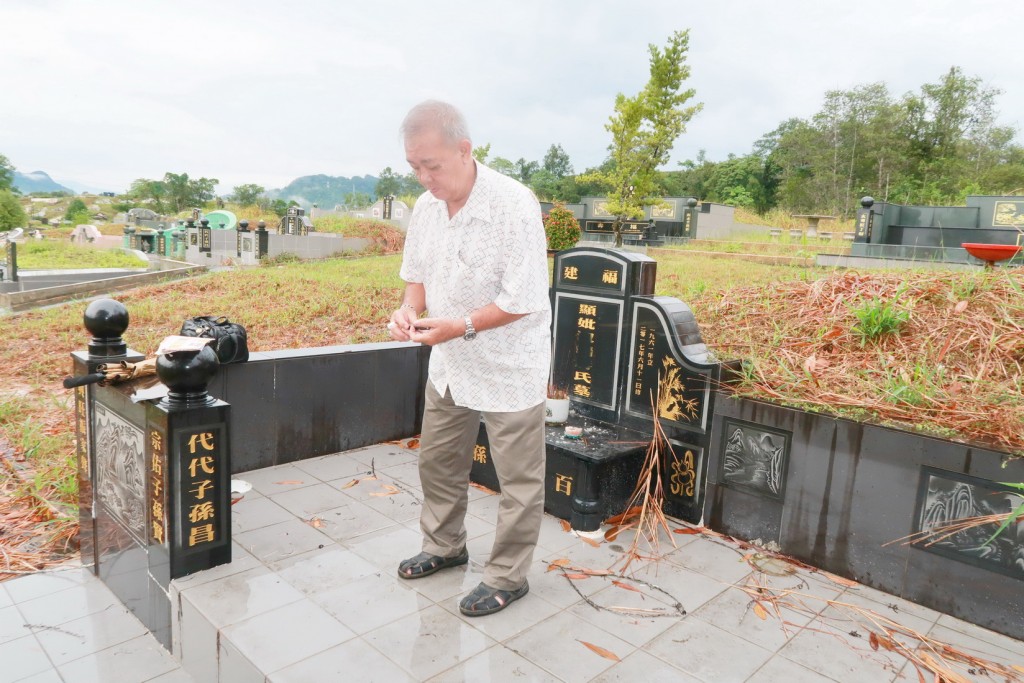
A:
991	252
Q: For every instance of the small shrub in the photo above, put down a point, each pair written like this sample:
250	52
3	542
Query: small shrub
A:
561	228
877	319
77	206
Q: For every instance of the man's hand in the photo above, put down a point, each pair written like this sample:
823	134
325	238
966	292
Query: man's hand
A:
401	325
432	331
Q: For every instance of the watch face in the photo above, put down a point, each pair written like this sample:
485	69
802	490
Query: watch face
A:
469	336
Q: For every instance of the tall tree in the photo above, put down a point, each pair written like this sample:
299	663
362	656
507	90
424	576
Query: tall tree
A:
247	194
388	183
152	192
184	192
504	166
6	173
411	185
556	162
524	170
480	153
644	128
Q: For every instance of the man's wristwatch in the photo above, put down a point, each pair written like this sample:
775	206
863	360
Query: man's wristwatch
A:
470	330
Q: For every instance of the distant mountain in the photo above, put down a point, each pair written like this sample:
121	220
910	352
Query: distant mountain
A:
323	190
38	181
91	189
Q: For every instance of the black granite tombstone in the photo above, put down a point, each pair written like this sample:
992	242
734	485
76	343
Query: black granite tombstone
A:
206	238
243	227
624	355
262	240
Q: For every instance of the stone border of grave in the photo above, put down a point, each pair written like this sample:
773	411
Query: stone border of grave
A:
43	296
840	495
302	403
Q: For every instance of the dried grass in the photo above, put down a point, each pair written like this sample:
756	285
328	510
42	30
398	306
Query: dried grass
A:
954	368
941	661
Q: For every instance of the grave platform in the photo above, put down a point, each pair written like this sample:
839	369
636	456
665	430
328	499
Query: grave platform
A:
308	600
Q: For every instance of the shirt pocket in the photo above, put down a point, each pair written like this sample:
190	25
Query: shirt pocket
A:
479	259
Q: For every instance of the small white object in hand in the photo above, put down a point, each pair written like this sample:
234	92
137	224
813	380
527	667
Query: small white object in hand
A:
391	326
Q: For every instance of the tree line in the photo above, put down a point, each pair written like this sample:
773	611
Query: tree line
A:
931	147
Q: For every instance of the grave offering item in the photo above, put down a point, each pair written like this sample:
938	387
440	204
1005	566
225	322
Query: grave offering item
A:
627	358
154	490
556	409
991	254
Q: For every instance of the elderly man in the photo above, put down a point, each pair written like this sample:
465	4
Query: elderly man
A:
475	264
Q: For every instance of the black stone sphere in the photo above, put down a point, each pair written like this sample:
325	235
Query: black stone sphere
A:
691	202
106	319
867	202
186	373
243	225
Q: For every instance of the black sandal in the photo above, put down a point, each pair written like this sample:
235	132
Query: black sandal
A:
426	564
484	600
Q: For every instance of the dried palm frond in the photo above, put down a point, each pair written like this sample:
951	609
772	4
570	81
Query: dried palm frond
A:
644	511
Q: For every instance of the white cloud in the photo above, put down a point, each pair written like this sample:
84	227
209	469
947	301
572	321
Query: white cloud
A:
260	91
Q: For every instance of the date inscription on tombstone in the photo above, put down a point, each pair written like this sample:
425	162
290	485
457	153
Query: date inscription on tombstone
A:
660	378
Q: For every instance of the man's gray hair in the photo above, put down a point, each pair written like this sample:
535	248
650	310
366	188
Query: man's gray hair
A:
435	115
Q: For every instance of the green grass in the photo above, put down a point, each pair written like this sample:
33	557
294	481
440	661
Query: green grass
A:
58	254
877	319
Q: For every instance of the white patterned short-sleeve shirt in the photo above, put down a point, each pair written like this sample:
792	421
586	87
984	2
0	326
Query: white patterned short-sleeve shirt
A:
493	251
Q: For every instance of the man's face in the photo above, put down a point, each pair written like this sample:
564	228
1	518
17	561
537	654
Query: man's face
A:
444	168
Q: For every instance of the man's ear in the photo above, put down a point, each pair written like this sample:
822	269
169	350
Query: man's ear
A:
465	148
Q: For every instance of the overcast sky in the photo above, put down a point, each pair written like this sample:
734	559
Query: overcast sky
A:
263	91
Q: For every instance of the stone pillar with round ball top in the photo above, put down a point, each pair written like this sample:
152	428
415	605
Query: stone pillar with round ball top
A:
154	477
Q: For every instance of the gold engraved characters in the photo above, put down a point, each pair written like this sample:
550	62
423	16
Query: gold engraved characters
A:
684	477
202	471
586	326
563	484
156	485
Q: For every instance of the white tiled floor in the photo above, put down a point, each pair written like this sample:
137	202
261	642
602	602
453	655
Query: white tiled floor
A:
312	595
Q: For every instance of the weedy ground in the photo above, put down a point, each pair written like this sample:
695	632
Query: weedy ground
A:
938	351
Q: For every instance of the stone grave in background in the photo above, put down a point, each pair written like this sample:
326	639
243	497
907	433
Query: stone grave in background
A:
623	355
885	230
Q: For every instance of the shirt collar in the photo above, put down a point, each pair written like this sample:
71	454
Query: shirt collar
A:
477	205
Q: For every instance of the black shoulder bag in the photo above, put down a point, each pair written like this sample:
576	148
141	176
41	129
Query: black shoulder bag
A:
230	340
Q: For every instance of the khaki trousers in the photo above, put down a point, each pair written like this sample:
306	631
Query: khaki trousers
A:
446	457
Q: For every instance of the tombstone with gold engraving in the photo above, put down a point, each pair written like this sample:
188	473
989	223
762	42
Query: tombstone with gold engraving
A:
626	357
